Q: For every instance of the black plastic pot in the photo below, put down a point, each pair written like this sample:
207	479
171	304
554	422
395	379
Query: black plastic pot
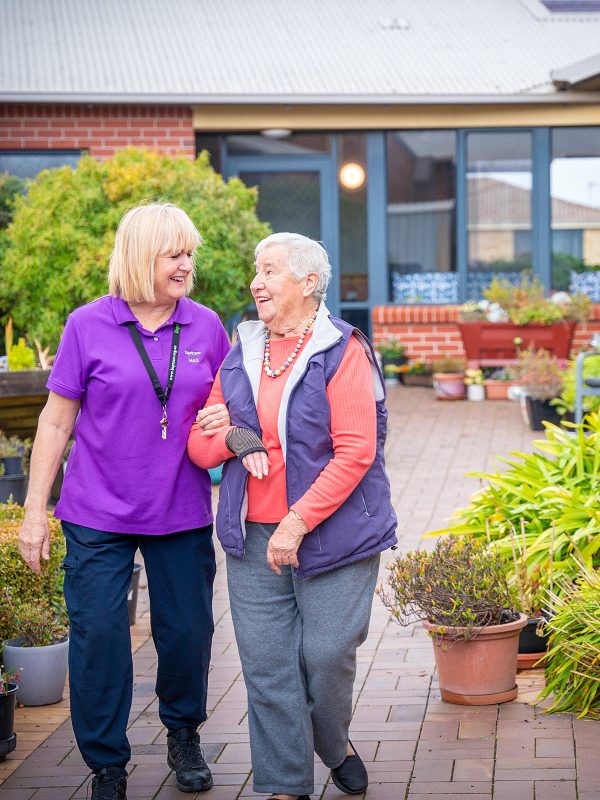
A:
539	411
132	594
8	737
15	485
529	641
13	465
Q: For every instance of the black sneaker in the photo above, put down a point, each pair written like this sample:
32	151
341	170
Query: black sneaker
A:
109	783
187	760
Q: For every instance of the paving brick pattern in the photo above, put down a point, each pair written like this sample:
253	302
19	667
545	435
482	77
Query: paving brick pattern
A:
415	746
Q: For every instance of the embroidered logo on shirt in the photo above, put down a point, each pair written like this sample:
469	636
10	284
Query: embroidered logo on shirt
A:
193	353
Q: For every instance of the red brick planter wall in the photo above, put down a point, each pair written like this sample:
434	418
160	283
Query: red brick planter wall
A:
99	129
431	331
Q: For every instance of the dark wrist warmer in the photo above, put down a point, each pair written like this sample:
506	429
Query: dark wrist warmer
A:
242	441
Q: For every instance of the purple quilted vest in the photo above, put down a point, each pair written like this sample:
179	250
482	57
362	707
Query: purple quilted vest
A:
365	523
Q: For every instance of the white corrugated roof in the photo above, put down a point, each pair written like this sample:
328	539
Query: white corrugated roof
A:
273	50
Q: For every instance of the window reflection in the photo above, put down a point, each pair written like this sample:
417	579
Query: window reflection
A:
352	179
421	167
499	183
575	191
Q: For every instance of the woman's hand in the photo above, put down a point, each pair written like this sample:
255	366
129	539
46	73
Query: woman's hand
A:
34	541
285	541
257	464
211	418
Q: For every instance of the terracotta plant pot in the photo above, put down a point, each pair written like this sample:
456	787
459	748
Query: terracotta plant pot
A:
478	671
449	385
497	390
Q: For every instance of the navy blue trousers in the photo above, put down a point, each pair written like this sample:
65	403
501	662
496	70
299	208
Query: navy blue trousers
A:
180	569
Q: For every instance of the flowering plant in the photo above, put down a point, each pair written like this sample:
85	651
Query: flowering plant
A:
526	302
448	364
7	678
419	367
390	349
540	373
473	377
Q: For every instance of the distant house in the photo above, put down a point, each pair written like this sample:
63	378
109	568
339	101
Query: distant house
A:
421	141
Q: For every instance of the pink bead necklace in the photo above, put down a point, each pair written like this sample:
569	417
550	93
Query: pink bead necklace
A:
289	360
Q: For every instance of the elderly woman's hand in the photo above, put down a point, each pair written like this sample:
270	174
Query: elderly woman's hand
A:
211	418
285	541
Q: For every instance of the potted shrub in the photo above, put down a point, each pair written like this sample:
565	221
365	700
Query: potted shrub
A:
9	684
460	593
418	372
391	374
488	329
474	384
540	513
498	382
541	376
449	378
39	652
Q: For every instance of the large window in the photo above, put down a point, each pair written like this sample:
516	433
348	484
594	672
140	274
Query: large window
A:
421	254
499	207
575	192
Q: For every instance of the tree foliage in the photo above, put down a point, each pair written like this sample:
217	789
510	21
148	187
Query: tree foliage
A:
62	233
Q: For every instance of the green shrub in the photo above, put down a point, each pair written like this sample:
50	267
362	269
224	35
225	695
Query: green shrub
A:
62	233
572	661
24	585
543	508
20	356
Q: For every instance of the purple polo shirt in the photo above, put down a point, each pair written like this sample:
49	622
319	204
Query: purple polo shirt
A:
121	475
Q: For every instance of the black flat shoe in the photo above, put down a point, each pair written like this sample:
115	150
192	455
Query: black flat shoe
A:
351	776
300	797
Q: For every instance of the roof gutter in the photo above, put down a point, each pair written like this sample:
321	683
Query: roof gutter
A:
561	97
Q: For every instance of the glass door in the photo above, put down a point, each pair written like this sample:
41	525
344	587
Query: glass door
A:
296	194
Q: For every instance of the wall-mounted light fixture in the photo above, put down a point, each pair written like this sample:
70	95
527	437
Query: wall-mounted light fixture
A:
352	175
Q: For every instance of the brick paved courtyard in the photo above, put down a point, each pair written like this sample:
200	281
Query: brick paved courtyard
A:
415	746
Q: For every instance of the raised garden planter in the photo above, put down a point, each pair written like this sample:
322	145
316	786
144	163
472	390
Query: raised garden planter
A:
489	344
23	395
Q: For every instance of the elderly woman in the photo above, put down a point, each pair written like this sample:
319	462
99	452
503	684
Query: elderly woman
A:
131	371
304	513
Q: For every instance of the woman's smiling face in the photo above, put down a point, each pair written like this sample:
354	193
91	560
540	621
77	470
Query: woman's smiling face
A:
279	297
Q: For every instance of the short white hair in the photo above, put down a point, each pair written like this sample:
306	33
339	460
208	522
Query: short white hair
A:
304	255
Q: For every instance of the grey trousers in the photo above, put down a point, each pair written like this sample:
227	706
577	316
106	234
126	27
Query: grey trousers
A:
297	641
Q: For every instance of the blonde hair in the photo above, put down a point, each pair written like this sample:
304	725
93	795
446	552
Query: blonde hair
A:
146	232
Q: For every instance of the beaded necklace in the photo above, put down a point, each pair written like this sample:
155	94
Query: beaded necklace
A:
267	357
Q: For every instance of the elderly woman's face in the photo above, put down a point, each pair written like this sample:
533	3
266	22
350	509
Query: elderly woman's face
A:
278	296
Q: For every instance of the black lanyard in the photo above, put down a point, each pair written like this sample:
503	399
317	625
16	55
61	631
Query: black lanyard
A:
162	394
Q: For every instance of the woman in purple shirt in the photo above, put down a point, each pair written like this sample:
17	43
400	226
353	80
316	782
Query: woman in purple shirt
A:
131	370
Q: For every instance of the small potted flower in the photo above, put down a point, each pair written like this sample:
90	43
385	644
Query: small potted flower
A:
474	384
498	382
460	593
541	376
391	352
419	372
449	378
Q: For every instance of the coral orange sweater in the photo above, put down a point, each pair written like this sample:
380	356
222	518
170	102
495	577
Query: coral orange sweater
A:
353	432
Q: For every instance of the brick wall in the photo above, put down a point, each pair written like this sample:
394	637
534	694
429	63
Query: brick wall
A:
99	129
430	331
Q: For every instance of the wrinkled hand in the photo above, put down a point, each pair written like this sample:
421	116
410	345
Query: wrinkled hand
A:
285	541
257	464
34	541
211	418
